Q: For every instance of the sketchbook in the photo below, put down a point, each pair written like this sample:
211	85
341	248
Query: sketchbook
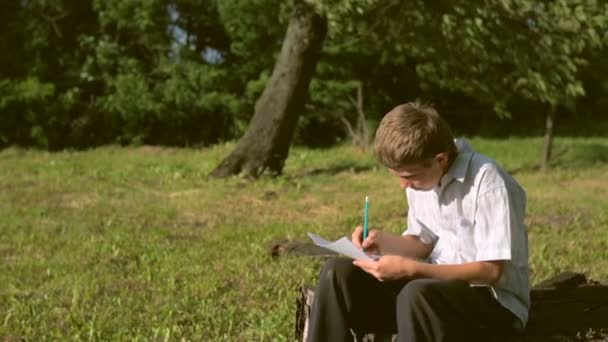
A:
343	246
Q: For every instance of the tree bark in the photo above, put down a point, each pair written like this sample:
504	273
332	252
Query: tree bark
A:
266	142
548	145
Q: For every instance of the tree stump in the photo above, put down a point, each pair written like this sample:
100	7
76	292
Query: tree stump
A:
566	307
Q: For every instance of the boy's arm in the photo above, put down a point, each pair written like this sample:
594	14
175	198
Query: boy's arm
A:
478	272
407	246
395	267
388	243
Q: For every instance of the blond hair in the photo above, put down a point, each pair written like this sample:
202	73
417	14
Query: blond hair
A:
412	133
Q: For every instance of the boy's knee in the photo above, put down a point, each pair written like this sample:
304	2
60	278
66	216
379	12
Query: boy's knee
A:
416	289
337	268
419	290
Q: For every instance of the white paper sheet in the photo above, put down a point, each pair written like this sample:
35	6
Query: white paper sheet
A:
343	246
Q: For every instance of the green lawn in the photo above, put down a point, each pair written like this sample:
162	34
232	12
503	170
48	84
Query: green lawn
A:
137	244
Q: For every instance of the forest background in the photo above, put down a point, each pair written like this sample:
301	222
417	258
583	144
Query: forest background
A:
79	74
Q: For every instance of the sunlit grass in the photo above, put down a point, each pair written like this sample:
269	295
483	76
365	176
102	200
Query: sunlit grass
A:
138	244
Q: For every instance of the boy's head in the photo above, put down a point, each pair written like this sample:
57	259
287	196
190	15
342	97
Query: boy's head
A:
416	144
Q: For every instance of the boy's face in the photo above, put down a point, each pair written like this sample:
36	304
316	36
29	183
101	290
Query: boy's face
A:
422	176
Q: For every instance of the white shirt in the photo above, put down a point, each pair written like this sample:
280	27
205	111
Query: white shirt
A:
476	214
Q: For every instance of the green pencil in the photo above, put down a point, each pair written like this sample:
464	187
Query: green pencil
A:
365	217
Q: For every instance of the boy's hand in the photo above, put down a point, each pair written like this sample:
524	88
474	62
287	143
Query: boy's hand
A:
374	242
357	236
389	267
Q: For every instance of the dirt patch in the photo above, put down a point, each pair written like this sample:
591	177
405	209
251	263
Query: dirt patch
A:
72	201
193	219
595	185
184	193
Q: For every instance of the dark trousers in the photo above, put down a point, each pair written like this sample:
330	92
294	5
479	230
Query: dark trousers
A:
417	310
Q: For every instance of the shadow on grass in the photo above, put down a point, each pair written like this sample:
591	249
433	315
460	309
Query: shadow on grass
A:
333	170
524	168
565	156
580	156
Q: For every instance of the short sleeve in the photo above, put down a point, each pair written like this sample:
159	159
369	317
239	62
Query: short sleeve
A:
417	228
492	232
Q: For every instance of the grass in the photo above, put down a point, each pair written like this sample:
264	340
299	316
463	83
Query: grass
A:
137	244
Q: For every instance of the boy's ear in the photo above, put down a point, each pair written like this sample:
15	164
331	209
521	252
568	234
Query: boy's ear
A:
442	159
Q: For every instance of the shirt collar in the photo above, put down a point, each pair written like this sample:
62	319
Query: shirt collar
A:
459	168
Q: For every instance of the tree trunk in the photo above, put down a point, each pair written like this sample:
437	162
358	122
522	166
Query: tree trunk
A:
360	133
266	143
544	165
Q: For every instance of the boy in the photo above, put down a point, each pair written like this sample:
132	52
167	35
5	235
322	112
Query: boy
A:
460	270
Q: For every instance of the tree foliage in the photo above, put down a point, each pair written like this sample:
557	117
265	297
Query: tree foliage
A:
495	51
184	72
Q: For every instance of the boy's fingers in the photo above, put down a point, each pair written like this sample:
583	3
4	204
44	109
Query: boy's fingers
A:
371	239
356	236
361	263
367	266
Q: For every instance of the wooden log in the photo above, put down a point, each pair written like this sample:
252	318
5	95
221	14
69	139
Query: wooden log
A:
567	307
306	295
296	248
